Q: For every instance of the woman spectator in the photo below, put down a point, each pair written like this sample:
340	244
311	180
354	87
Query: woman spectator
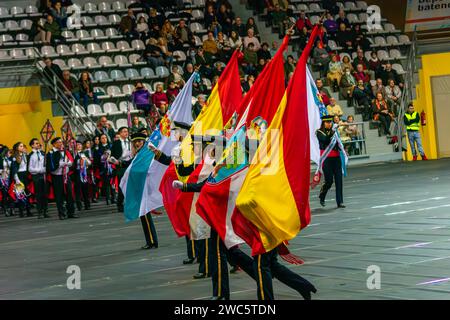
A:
335	72
235	40
341	128
321	57
224	47
172	92
51	31
374	64
167	30
153	54
166	53
59	14
303	38
252	25
159	99
347	84
359	39
381	112
346	63
142	28
176	77
246	85
225	19
141	98
209	16
331	25
210	46
351	130
87	89
250	59
198	106
393	94
136	125
362	95
344	38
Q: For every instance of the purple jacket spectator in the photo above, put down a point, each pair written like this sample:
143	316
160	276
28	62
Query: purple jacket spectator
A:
141	97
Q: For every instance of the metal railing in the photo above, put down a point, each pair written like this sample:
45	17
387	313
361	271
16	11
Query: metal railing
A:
73	110
355	145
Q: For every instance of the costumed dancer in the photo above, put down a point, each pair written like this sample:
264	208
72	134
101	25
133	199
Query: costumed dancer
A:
105	169
36	167
81	178
5	182
19	174
92	178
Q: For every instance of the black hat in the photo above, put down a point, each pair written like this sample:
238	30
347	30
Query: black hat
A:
138	136
181	125
121	128
327	118
54	140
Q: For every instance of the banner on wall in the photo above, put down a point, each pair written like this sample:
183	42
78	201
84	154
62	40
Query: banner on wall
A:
427	15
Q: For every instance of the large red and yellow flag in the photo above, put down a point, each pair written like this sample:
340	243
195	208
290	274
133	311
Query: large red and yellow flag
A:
275	194
222	103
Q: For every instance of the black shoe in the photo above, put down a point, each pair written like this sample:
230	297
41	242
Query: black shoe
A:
235	269
73	216
218	298
61	217
147	246
341	206
199	275
120	208
188	261
46	214
306	294
29	214
322	203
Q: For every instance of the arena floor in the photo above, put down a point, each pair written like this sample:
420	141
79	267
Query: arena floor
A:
397	218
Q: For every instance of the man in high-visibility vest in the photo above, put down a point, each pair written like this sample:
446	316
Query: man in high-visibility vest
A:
412	122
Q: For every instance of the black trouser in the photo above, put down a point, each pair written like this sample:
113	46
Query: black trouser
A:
120	197
190	246
81	191
236	257
7	201
149	229
23	177
267	266
106	188
203	247
219	267
385	120
332	169
40	190
63	192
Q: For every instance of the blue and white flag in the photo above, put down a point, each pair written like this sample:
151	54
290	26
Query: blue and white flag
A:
316	109
140	183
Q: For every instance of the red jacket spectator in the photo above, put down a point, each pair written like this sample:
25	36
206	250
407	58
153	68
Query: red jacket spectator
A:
303	23
158	98
362	76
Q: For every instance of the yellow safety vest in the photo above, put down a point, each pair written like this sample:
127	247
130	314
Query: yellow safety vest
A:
414	126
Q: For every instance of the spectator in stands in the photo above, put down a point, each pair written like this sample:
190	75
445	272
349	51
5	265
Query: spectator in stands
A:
359	39
343	19
360	59
334	109
164	49
51	31
252	25
103	127
224	47
71	85
45	7
346	63
172	92
183	34
246	85
141	98
127	25
382	113
225	19
374	64
334	72
59	14
153	54
261	65
321	58
330	6
167	30
64	3
51	68
203	63
361	74
209	16
250	38
235	40
136	125
303	39
379	87
159	99
347	85
289	65
393	95
344	37
280	19
87	89
250	59
351	131
155	22
210	46
176	77
142	28
264	53
239	27
303	22
362	95
388	73
324	93
198	106
331	25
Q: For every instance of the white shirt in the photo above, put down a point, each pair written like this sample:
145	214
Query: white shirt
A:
126	150
63	163
23	163
36	165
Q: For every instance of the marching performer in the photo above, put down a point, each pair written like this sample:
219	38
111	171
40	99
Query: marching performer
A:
36	167
92	178
5	182
19	172
105	169
81	168
58	163
330	148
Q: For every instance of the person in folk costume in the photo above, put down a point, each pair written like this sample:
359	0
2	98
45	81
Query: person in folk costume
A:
121	157
92	179
332	165
81	166
59	161
105	170
36	167
19	176
7	202
196	249
151	238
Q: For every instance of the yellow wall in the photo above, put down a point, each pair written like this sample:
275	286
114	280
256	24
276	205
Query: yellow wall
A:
23	114
432	65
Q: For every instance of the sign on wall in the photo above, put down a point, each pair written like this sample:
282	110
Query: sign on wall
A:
427	15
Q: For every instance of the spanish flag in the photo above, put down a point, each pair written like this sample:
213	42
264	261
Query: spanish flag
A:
222	103
275	194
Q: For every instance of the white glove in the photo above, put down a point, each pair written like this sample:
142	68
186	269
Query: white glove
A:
151	146
335	126
177	184
68	164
